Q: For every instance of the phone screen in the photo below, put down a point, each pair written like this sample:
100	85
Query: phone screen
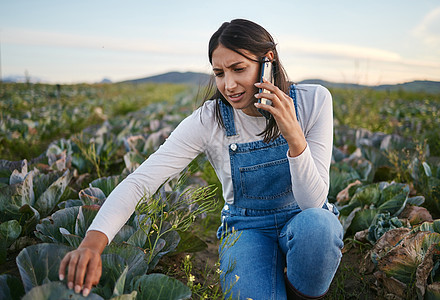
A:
267	74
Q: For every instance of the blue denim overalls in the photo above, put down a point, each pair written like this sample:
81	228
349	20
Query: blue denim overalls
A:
273	231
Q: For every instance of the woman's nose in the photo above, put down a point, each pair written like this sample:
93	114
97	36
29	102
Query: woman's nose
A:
230	82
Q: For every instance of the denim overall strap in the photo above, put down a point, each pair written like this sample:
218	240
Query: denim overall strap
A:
292	94
227	113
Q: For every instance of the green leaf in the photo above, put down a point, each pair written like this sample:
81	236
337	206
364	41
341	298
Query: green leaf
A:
134	143
72	239
70	203
393	198
12	197
160	287
50	197
134	258
92	196
395	205
382	223
81	163
167	243
124	234
107	184
113	266
31	217
416	200
189	242
141	221
427	169
341	175
48	229
376	156
10	287
362	220
138	239
7	167
391	191
85	217
19	176
41	182
39	264
428	226
364	196
10	230
120	283
133	159
368	194
131	296
56	290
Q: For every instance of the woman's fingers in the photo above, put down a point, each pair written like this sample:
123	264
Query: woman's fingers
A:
282	105
93	275
81	271
275	94
82	264
73	261
62	269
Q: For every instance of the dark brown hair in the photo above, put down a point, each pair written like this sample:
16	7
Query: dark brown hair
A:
238	35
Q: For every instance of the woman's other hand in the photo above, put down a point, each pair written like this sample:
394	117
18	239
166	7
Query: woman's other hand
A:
84	263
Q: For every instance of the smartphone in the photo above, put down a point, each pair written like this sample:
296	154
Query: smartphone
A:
266	73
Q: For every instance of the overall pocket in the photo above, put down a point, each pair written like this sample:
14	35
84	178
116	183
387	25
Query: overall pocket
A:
268	180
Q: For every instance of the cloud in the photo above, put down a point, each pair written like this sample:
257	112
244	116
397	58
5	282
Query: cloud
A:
27	37
338	50
428	29
348	52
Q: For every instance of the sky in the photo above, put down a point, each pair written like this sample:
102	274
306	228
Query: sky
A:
366	42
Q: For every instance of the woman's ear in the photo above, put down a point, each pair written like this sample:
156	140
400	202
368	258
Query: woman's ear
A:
269	55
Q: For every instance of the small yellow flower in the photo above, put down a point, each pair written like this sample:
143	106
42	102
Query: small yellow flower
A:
218	271
187	257
237	278
191	278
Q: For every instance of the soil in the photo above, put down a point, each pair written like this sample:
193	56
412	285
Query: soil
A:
350	282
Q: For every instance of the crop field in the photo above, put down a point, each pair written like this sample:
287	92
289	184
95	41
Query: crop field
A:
63	149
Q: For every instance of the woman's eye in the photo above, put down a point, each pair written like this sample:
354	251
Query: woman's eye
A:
238	69
218	74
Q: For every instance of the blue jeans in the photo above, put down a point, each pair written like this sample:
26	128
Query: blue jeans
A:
307	243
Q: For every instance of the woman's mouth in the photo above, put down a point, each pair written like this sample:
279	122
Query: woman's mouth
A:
236	97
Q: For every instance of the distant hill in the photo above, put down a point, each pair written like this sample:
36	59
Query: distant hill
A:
175	77
431	87
194	78
21	79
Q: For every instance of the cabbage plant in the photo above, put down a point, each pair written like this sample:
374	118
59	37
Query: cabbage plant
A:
371	199
406	262
31	195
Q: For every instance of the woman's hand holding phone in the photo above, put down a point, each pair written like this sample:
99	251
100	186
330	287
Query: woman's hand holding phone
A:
283	111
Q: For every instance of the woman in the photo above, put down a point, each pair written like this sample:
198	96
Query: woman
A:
274	174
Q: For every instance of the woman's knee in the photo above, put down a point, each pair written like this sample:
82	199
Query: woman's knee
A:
316	226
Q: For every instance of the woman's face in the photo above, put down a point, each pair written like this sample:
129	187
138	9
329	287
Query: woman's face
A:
235	76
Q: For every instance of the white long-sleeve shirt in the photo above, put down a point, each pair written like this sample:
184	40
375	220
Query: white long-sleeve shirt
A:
200	133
